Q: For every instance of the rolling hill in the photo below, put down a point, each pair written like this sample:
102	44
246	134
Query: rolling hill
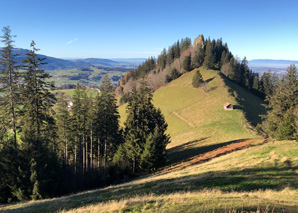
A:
216	162
63	64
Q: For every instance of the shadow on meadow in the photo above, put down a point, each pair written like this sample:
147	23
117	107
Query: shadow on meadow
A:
251	105
246	180
186	150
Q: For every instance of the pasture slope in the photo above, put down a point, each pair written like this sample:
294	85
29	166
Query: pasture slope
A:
216	162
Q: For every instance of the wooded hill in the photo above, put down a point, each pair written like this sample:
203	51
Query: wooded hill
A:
215	162
183	56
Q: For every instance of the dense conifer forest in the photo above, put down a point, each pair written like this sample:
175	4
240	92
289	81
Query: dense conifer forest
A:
51	147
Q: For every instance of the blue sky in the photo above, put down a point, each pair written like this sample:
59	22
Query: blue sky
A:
138	29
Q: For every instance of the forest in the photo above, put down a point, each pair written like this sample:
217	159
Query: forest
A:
49	147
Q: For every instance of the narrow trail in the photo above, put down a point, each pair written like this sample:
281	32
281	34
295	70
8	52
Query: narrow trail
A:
183	119
210	155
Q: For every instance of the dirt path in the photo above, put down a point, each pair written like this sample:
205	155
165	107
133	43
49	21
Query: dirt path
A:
210	155
183	119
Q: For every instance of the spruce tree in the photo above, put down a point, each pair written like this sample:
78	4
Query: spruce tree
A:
187	63
154	154
64	124
281	106
199	57
141	122
210	57
9	84
36	95
77	120
107	121
197	79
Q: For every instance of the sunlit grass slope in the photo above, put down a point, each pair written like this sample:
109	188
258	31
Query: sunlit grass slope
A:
196	116
204	112
262	177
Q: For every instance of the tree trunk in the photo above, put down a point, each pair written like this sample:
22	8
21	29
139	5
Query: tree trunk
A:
98	154
133	166
66	151
87	155
12	106
105	159
80	154
84	155
75	157
91	148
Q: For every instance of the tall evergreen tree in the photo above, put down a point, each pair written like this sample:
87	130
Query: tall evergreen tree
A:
107	124
64	124
187	63
9	84
197	79
199	57
141	122
36	95
77	120
38	126
281	106
268	83
210	57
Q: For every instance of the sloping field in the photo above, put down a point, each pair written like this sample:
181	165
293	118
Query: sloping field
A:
216	163
196	117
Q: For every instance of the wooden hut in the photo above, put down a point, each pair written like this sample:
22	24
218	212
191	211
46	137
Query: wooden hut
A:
228	106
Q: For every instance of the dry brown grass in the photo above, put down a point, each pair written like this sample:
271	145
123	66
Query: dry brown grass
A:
202	201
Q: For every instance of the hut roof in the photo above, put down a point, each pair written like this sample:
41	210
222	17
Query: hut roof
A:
227	104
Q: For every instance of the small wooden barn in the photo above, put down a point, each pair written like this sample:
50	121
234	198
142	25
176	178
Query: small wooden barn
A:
228	106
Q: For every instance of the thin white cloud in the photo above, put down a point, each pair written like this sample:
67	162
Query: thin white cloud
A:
71	41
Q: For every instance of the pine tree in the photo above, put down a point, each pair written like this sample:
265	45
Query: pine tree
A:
199	57
209	58
36	95
64	124
268	83
287	128
197	79
77	120
106	121
256	83
142	120
154	154
34	180
281	106
9	84
187	63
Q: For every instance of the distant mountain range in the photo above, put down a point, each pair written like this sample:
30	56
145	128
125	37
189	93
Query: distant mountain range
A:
258	65
63	64
263	65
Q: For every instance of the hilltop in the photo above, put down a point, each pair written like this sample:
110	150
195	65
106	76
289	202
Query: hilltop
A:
216	162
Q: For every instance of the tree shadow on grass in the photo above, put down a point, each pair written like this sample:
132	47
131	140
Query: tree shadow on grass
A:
237	180
208	80
251	105
185	151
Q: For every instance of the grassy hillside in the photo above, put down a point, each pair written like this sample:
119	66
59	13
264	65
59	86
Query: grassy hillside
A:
216	163
197	118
